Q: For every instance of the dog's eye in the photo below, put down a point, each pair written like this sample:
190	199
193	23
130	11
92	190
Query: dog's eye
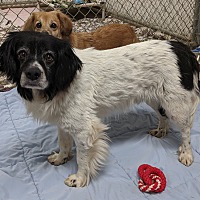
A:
38	25
48	58
22	55
53	25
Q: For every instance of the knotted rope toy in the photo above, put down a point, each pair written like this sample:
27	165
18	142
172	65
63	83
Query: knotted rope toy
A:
152	179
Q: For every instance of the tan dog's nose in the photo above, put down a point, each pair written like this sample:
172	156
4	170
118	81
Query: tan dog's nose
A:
44	31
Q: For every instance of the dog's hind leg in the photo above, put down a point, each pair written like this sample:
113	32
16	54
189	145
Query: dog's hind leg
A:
65	143
182	113
185	151
163	125
92	151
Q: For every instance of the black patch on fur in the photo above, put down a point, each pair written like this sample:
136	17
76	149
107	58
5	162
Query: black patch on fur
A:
199	81
187	62
8	64
162	111
59	75
25	93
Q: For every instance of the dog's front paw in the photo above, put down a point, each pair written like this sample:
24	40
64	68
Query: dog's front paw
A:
76	180
59	159
158	132
185	156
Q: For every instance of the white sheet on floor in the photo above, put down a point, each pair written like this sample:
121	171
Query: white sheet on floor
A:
25	173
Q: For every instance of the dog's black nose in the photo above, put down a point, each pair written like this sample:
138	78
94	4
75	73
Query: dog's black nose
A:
33	73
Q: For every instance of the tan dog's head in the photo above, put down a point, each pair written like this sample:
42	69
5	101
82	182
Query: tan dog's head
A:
54	23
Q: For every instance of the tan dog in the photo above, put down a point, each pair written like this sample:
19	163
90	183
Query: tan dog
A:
54	22
60	25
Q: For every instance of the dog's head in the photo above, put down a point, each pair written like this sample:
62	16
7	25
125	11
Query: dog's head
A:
38	61
54	23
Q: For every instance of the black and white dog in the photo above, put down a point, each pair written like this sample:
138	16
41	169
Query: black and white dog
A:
76	92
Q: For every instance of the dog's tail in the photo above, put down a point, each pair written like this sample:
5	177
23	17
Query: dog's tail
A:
196	70
188	65
197	80
198	60
192	67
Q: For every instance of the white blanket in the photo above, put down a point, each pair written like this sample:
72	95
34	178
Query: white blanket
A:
25	173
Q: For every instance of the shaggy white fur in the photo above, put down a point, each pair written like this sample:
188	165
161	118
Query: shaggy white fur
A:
163	74
112	81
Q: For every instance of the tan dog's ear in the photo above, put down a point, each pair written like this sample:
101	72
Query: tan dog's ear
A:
66	25
29	25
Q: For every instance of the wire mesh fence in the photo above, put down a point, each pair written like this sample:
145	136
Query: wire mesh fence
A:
170	18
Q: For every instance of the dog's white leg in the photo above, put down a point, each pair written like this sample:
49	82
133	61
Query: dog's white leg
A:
163	125
65	143
162	129
183	114
185	151
92	151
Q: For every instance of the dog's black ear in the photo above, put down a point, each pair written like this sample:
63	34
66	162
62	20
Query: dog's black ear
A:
25	93
8	62
67	67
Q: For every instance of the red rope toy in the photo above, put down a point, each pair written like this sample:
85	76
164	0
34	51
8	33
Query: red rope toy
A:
152	179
